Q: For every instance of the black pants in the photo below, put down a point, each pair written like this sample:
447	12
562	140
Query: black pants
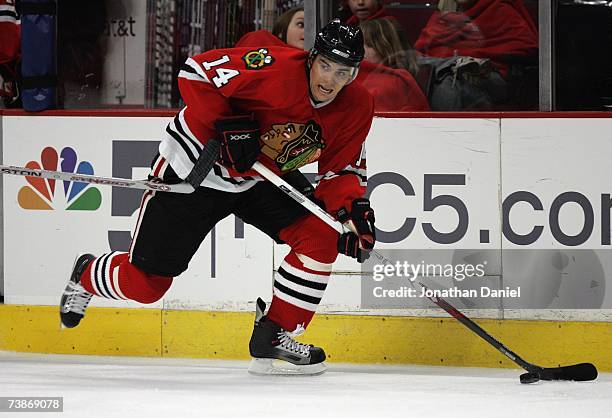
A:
172	225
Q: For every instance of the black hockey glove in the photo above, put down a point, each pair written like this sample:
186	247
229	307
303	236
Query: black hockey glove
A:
360	220
239	138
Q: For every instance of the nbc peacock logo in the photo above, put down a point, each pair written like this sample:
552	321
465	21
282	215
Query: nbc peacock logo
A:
45	194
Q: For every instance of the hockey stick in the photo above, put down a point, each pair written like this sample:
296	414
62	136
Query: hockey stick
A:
204	164
578	372
86	178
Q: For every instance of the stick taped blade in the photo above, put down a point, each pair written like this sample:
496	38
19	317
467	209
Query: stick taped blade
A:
578	372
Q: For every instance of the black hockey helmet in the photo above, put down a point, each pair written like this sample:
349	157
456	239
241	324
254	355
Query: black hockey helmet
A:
340	42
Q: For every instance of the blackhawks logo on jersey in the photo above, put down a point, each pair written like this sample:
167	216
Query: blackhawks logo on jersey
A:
293	145
256	60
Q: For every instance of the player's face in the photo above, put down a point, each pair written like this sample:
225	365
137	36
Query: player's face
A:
363	9
327	78
295	30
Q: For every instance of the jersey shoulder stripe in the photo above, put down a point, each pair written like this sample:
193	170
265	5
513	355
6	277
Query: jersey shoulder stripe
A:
172	134
182	128
191	70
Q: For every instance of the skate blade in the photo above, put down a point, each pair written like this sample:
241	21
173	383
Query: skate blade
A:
271	367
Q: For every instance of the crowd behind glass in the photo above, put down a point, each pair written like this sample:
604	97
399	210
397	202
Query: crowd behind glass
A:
421	55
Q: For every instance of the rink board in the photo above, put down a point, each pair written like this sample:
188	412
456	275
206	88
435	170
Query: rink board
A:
493	158
496	158
346	338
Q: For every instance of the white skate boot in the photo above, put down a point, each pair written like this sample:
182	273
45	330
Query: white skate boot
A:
75	298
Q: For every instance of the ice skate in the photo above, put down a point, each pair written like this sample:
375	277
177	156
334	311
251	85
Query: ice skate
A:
275	352
75	298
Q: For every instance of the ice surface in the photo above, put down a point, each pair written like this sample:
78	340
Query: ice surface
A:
153	387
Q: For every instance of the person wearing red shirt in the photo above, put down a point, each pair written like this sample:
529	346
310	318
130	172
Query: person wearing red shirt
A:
364	10
394	90
284	108
500	30
387	72
10	36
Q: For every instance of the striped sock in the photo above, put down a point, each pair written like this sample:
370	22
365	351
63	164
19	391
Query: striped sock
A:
112	276
299	286
100	277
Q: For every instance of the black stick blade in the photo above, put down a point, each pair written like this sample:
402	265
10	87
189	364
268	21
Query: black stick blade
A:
206	160
579	372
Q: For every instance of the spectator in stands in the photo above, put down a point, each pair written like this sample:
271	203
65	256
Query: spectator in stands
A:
289	27
9	54
288	30
384	45
388	70
499	30
472	44
363	10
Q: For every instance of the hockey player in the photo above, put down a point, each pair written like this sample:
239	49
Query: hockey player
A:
285	108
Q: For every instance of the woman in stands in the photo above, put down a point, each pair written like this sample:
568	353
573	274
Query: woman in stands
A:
385	45
388	70
288	30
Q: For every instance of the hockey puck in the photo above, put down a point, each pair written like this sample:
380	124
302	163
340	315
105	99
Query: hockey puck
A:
531	377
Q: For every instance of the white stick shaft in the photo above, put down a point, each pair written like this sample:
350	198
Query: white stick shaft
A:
309	204
86	178
298	197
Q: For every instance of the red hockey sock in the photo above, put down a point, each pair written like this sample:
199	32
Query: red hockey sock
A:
86	280
112	276
298	289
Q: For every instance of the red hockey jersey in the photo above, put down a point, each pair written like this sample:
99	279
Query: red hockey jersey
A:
272	85
9	32
260	38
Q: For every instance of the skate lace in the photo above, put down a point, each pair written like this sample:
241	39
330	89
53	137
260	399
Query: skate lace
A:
77	298
287	341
